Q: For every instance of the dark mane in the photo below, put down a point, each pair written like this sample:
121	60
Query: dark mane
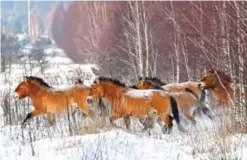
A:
225	78
155	86
155	80
133	87
39	80
78	81
114	81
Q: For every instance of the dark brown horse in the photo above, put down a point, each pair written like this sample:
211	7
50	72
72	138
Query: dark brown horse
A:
220	85
126	102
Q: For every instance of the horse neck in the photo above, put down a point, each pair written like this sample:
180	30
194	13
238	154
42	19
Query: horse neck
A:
112	92
35	90
222	94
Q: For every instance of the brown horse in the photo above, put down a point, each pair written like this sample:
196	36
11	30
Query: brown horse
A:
126	102
47	100
220	85
186	94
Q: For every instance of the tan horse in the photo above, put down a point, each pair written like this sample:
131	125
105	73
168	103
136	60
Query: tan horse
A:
47	100
186	94
126	102
153	82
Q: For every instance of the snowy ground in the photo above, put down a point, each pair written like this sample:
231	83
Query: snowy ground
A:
54	142
41	141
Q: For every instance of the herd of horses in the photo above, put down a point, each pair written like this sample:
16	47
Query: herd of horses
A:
149	98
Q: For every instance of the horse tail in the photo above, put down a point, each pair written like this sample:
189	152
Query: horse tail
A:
175	113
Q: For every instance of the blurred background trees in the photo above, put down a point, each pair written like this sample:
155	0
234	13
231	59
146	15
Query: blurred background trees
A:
176	41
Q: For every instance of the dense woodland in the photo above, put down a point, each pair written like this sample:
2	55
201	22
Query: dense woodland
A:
176	41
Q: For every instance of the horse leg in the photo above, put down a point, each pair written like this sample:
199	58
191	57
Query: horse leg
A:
142	121
198	112
150	120
127	121
191	118
113	118
31	115
167	119
149	123
204	110
51	118
83	110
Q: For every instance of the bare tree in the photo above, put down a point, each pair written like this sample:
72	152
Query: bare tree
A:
139	39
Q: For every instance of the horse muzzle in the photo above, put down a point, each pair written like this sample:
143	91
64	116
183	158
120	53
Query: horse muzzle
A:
16	96
201	86
89	100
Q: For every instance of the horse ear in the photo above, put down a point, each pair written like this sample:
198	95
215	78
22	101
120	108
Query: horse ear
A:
212	71
96	81
25	78
79	81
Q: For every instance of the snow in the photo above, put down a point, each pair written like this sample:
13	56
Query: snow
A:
115	144
63	60
21	37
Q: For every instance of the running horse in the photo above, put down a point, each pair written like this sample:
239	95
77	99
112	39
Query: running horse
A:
191	87
126	102
47	100
187	94
220	85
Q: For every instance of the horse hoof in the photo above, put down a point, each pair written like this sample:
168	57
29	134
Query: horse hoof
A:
166	130
23	126
182	129
144	129
51	123
193	122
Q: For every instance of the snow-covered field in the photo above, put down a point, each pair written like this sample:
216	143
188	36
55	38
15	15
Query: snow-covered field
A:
119	144
42	141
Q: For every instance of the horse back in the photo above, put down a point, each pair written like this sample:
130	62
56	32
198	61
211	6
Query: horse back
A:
56	101
135	106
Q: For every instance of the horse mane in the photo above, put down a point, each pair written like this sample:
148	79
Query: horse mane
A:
155	86
133	87
154	80
78	81
114	81
226	80
39	80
